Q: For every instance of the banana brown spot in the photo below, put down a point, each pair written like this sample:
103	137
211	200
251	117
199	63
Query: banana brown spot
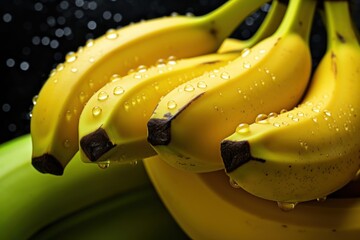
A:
159	129
340	37
48	164
235	154
96	144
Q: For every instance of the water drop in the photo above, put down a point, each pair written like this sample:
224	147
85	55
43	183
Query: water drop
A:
171	104
90	43
141	69
91	59
114	77
295	119
225	75
201	84
245	52
126	106
70	57
212	75
276	124
104	165
282	111
60	67
137	76
315	110
96	111
262	119
172	60
315	120
118	90
233	183
272	115
160	63
243	128
111	34
82	96
327	113
34	99
286	206
262	51
68	115
321	199
246	65
66	143
74	70
102	96
189	88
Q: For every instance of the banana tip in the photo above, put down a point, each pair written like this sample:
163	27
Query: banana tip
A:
48	164
235	154
96	144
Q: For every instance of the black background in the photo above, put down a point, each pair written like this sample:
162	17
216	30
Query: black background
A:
36	35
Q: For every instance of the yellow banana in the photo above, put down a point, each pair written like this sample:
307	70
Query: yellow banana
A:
112	126
312	150
55	116
206	206
268	77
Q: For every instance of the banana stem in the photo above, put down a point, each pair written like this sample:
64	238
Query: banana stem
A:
227	17
298	18
339	24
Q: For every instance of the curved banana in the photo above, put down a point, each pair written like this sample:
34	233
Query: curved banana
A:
268	77
312	150
30	201
56	113
119	130
206	206
112	126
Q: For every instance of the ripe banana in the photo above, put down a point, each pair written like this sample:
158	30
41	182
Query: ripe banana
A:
112	126
56	113
106	135
30	201
206	206
268	77
312	150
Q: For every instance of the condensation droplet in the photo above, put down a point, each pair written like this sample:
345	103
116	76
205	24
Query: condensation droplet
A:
141	69
322	199
189	88
126	106
282	111
160	63
201	84
172	60
212	75
327	113
115	77
60	67
111	34
68	115
287	206
82	96
34	99
272	115
171	104
276	124
91	59
118	90
261	118
96	111
233	183
104	165
225	75
137	76
315	110
243	128
246	65
262	51
66	143
70	57
245	52
90	43
102	96
74	70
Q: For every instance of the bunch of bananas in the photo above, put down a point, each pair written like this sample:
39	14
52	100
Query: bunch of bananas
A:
177	108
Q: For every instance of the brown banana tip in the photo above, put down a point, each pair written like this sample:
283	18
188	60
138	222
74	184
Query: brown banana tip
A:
96	144
48	164
159	131
235	154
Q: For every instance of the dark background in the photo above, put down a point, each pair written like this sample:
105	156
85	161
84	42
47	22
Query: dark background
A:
36	35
